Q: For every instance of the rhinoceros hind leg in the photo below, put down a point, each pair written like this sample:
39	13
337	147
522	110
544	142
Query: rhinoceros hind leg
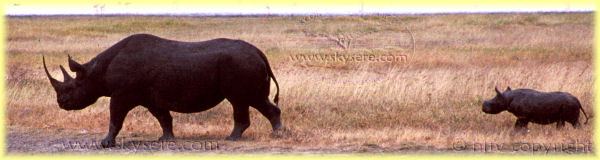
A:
271	112
241	118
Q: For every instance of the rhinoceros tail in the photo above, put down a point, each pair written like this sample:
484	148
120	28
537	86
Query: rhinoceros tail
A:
270	72
583	111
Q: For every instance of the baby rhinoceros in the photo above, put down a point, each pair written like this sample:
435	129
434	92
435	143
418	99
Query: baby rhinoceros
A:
537	107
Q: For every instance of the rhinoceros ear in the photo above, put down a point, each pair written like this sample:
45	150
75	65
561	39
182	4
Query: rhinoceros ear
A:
508	88
76	67
498	92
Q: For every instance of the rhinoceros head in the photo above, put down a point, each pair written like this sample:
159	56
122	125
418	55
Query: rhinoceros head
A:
74	93
496	105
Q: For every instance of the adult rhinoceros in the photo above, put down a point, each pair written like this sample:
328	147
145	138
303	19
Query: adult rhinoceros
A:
165	75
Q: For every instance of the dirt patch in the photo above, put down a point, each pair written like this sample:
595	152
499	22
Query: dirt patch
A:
23	140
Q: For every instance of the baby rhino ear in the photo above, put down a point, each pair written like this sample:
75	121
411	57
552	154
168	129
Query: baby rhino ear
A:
499	93
508	88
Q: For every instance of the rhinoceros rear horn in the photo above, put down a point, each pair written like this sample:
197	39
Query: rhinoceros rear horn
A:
55	83
66	75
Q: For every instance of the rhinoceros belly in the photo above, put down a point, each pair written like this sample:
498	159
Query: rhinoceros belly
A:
188	100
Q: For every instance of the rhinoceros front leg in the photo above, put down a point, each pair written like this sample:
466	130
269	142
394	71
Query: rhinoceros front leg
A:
166	122
521	124
118	111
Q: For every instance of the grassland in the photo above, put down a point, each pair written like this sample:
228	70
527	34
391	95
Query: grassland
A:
432	101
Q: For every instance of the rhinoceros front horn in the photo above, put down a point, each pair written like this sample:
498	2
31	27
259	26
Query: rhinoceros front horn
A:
55	83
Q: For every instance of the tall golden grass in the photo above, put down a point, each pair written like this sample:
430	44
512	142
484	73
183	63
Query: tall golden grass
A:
432	100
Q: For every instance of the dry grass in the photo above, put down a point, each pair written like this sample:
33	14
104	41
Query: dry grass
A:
434	100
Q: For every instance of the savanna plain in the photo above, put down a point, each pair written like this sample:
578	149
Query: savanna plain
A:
429	101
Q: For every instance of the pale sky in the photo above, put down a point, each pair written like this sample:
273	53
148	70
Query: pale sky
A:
20	9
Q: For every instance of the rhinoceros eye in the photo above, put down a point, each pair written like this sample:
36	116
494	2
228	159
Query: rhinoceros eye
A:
69	87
